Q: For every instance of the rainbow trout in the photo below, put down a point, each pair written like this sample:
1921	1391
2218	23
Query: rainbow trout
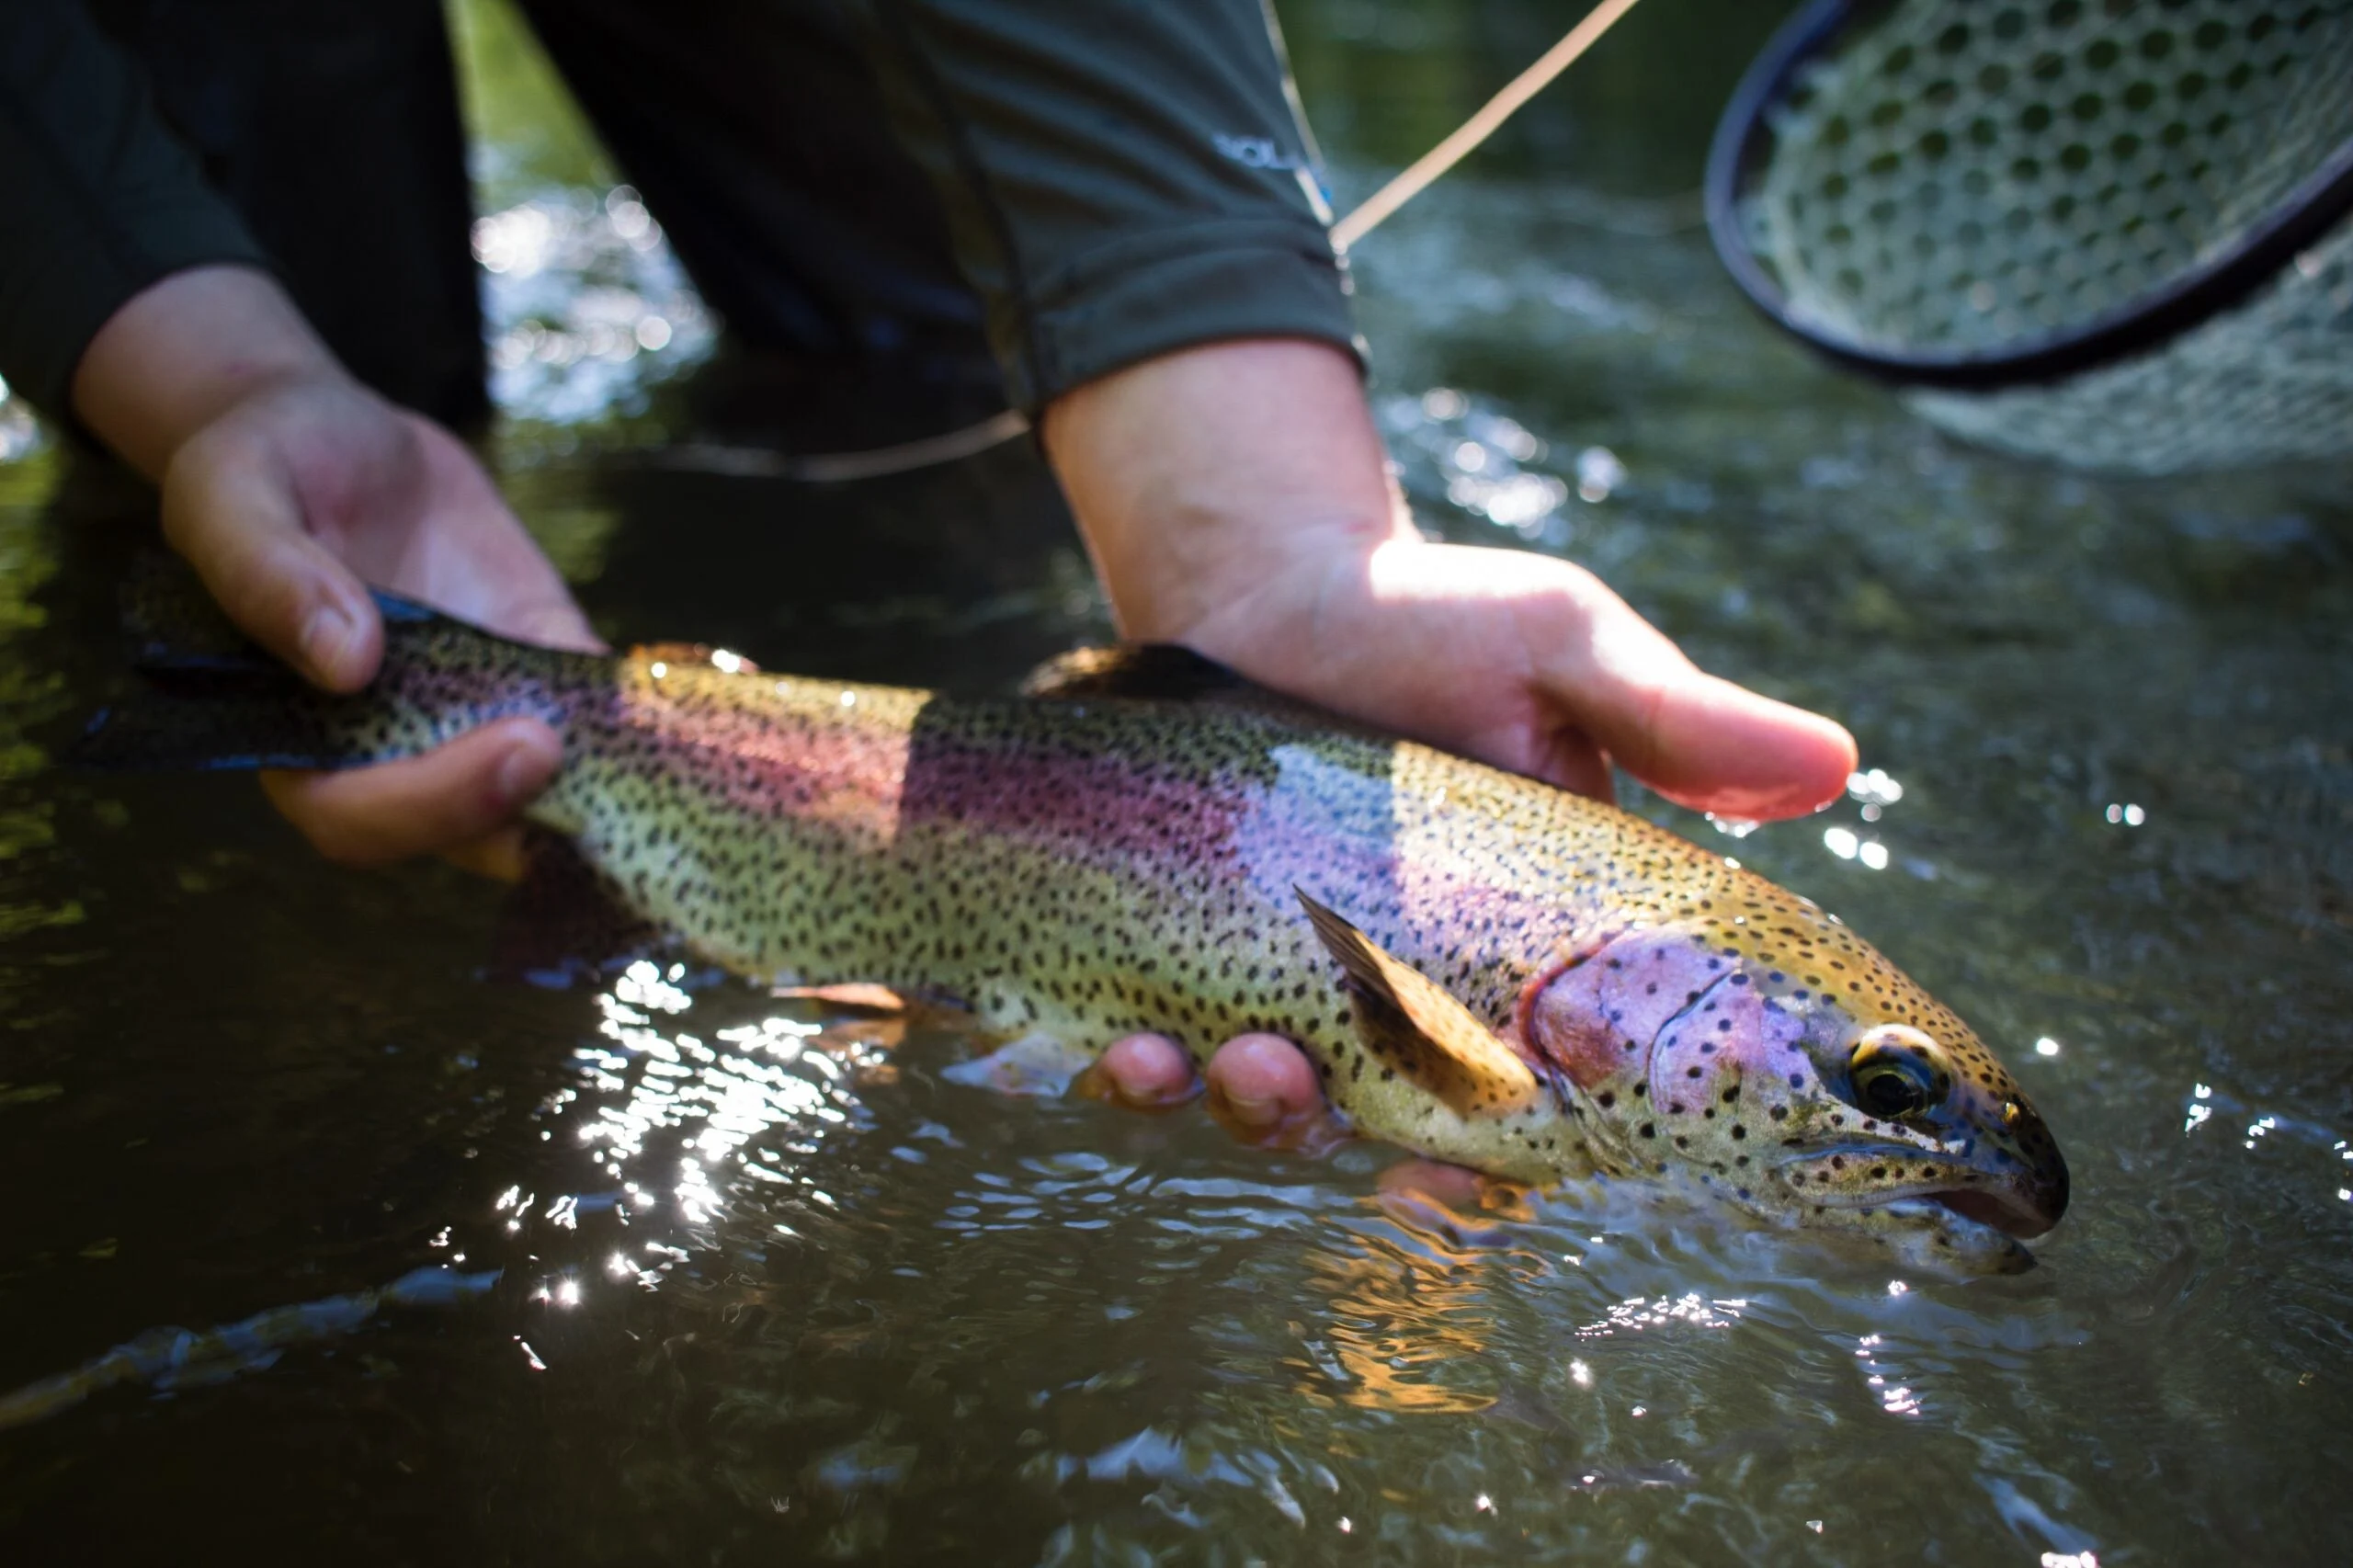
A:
1483	969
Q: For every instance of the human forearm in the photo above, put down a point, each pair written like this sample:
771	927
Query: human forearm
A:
1199	475
180	353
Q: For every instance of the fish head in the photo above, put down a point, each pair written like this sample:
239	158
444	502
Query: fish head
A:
1781	1064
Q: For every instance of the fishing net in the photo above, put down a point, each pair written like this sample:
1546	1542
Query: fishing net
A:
2114	234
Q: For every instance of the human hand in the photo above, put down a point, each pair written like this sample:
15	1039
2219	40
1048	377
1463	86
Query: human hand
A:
1525	662
288	486
292	500
1236	500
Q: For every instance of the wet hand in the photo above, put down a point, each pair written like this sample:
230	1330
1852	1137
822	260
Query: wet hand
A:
1237	500
292	500
1261	1089
1525	662
1260	1086
288	486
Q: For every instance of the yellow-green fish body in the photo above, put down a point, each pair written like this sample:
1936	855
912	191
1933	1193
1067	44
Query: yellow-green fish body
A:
1484	968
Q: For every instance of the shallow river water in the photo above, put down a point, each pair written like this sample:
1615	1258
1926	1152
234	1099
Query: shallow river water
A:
718	1278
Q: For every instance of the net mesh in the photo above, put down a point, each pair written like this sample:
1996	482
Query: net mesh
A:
1972	175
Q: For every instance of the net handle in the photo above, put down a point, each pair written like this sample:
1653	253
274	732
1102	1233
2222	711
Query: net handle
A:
2308	211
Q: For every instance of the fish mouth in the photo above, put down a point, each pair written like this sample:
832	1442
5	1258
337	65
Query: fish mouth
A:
1967	1245
2006	1209
2022	1205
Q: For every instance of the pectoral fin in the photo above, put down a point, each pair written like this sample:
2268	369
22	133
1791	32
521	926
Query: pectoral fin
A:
1168	671
859	996
1039	1066
1411	1025
687	655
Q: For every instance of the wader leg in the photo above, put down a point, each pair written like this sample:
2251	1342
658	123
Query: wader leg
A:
753	130
333	132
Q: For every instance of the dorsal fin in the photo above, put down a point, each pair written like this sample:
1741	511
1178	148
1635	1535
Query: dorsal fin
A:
692	655
399	611
1412	1024
1167	671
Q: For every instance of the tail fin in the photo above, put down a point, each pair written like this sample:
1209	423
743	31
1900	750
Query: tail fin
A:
174	628
214	700
152	732
177	631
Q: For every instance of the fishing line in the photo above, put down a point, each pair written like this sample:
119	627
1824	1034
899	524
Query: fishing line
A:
835	468
1425	170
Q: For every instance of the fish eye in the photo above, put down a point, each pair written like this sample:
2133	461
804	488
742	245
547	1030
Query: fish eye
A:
1898	1072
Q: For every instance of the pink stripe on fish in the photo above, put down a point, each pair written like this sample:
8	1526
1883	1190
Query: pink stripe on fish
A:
807	758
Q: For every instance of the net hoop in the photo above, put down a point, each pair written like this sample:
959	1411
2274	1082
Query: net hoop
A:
2308	211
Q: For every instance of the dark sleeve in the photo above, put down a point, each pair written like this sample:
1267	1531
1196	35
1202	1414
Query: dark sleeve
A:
1121	177
96	199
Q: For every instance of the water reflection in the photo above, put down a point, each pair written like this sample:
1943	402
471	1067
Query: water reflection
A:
700	1139
1408	1324
1489	466
586	308
170	1360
